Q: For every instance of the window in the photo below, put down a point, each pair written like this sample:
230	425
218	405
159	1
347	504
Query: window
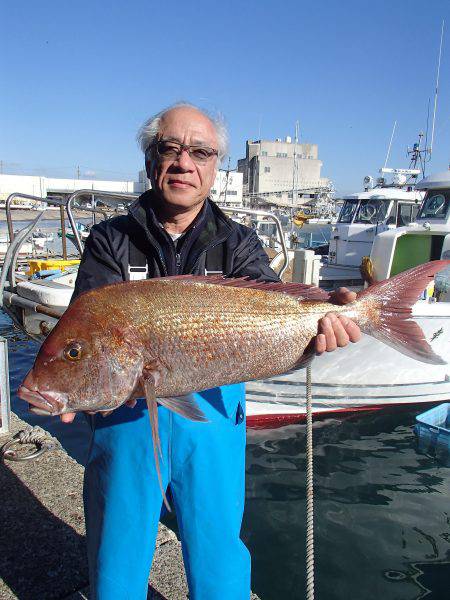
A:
231	193
266	169
435	205
213	191
405	214
263	153
373	211
347	211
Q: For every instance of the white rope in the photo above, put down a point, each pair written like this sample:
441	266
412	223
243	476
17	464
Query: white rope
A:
309	491
30	435
33	435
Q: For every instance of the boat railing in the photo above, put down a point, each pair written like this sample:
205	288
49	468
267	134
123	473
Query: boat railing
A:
98	194
269	215
129	196
67	206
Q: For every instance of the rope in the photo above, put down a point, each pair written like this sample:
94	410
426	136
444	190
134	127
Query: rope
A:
309	491
30	435
33	435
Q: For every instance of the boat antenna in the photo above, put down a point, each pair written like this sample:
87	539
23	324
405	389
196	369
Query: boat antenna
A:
417	155
423	163
390	144
436	91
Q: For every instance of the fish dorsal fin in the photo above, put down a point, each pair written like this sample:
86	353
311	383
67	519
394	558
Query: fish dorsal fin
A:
298	290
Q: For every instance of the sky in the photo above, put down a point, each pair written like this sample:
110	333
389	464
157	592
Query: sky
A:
80	76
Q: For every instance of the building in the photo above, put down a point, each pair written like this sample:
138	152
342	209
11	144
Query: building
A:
44	187
281	173
227	188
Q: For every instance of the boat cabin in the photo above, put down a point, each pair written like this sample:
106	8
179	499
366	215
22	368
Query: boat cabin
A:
428	238
365	215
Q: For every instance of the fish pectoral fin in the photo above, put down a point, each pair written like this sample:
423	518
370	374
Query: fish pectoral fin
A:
186	406
149	385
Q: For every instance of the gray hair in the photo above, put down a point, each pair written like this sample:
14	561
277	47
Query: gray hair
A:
148	132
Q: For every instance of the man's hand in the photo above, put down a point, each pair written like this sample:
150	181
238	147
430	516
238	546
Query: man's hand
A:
337	331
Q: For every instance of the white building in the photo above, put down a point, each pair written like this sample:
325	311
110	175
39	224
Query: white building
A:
273	169
47	186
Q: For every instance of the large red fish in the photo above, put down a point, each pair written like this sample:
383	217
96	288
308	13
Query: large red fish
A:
166	338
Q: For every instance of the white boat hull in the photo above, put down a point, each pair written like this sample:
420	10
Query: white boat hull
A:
363	376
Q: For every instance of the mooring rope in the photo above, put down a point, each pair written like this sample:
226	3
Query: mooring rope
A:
30	435
309	490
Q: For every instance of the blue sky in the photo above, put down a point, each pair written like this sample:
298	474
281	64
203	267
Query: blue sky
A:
79	77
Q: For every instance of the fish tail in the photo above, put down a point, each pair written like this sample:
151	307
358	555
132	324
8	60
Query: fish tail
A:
153	414
385	311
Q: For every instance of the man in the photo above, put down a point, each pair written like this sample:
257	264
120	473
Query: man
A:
175	229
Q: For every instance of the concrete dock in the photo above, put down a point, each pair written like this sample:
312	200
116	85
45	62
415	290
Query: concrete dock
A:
42	548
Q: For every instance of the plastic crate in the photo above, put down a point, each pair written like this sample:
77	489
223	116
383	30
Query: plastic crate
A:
433	432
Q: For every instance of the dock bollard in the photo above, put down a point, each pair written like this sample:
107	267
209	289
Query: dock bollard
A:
306	267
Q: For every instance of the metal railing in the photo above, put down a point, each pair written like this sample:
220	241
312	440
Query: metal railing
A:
68	205
101	194
269	215
129	196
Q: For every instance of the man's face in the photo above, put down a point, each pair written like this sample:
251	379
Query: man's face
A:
181	182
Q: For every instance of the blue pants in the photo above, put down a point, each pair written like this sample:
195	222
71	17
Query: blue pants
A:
204	464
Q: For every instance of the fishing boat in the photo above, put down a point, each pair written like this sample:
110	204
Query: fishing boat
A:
40	239
370	375
82	229
25	250
383	205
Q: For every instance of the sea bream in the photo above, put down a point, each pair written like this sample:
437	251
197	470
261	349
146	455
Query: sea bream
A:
166	338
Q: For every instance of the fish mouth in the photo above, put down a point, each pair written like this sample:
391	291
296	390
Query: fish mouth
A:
43	403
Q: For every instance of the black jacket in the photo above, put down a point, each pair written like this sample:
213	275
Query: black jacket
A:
214	243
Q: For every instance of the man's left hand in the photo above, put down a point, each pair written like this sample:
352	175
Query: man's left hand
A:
336	331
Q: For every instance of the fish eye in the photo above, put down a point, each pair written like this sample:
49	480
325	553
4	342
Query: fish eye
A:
73	352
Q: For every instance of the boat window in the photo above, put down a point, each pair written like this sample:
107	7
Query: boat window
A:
435	205
372	210
406	214
348	210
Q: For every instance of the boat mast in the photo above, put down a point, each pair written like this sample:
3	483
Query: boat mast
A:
390	144
437	89
294	178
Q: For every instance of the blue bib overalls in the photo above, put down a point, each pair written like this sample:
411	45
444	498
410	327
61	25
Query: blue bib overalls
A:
204	464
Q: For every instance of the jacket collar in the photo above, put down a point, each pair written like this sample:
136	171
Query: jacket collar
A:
215	222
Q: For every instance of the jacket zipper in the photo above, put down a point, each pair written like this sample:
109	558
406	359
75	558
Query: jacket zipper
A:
217	242
153	245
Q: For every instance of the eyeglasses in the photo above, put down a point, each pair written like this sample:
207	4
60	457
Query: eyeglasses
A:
169	150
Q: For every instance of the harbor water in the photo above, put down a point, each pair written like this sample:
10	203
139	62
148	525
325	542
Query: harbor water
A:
382	510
